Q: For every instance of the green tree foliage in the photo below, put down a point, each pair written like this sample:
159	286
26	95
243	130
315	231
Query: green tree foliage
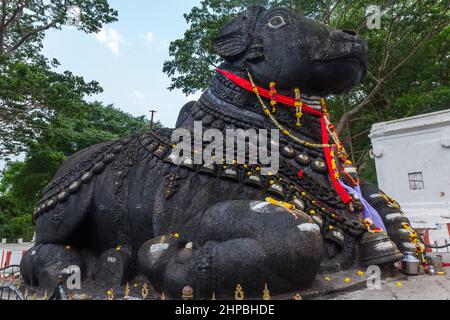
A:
408	60
31	95
23	22
23	181
30	91
13	222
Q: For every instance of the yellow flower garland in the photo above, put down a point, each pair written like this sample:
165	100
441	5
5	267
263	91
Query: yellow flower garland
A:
415	241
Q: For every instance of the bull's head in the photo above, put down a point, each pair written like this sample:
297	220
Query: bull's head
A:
294	51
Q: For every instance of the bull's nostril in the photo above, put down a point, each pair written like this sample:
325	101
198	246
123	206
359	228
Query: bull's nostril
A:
350	32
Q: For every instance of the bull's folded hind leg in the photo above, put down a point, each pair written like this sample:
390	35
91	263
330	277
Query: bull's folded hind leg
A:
61	228
236	242
42	265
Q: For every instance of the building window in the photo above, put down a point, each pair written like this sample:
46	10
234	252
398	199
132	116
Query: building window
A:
416	181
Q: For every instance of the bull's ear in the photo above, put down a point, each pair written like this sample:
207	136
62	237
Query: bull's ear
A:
231	46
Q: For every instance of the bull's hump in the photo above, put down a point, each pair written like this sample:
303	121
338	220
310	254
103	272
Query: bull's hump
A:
82	168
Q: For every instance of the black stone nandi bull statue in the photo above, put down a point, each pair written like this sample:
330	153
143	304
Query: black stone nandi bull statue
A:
123	207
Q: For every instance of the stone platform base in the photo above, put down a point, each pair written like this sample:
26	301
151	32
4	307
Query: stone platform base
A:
326	286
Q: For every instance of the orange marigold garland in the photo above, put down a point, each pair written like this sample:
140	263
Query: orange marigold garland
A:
336	172
273	92
414	238
371	227
342	155
390	202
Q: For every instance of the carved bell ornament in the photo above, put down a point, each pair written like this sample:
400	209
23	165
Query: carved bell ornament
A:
299	204
319	166
230	174
253	179
276	189
336	236
318	220
287	152
378	249
209	169
303	159
188	163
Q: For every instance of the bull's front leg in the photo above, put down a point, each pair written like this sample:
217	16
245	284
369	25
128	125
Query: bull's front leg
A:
250	243
396	222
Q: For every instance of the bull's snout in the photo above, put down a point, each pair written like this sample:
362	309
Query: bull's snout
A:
355	44
344	35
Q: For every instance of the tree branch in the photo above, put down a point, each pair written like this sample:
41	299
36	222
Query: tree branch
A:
386	44
344	11
363	155
413	52
3	20
2	24
346	117
28	35
328	13
17	13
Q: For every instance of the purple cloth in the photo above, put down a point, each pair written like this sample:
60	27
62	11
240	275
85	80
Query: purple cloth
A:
368	211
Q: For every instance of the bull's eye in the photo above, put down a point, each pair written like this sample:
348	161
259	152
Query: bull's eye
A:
277	22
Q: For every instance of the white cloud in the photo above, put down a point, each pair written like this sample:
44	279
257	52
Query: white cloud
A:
138	95
149	36
111	38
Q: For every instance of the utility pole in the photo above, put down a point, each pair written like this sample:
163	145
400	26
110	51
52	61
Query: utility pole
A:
152	112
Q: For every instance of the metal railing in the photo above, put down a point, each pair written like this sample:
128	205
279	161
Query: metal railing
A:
10	283
12	288
436	246
8	271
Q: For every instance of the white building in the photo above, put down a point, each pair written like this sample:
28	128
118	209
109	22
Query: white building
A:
412	158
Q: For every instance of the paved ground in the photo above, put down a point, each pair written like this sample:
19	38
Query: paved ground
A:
424	287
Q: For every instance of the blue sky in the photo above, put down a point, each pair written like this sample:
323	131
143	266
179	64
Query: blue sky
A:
126	57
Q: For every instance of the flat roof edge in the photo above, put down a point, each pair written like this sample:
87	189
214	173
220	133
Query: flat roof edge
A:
411	124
